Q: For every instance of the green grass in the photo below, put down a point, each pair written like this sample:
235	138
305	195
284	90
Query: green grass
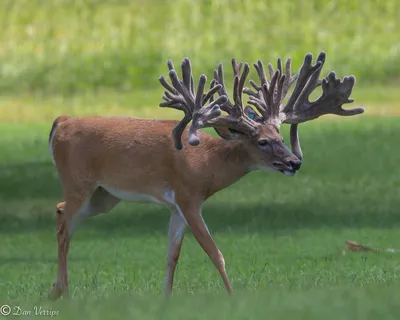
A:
378	100
69	46
280	236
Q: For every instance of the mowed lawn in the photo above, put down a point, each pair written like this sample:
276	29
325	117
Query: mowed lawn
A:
281	236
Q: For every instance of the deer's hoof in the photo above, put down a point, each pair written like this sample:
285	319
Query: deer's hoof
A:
56	292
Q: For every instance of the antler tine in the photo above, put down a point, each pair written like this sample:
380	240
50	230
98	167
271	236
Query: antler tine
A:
306	81
187	76
279	93
209	96
170	65
181	96
261	73
335	93
234	109
239	82
237	118
203	115
219	79
269	95
237	69
255	97
289	78
271	69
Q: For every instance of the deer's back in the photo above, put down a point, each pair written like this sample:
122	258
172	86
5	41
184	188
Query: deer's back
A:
121	152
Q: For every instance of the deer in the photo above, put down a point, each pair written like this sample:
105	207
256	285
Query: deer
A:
101	160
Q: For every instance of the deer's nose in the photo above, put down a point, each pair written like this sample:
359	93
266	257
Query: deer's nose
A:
296	164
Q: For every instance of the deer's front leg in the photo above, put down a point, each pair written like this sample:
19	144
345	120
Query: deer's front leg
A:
201	233
177	227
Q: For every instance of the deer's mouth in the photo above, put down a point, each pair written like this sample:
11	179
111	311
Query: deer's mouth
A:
289	172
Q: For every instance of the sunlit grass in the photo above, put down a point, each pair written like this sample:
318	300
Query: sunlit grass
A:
377	101
66	46
281	237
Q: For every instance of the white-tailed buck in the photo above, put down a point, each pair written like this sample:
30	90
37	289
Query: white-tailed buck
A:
103	160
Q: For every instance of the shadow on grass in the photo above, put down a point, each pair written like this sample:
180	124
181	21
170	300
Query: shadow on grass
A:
133	219
29	180
343	197
31	259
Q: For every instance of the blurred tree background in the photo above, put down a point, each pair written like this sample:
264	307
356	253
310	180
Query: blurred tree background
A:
71	46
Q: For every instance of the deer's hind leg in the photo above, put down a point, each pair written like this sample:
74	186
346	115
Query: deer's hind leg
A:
77	207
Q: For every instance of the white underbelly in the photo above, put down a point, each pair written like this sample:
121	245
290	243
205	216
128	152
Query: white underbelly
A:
168	198
131	196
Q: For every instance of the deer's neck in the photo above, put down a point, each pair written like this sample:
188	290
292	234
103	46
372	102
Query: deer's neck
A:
224	163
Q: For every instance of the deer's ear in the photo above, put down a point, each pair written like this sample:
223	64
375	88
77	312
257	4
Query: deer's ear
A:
249	111
230	134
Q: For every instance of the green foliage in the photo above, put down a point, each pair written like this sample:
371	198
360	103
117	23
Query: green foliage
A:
280	236
65	46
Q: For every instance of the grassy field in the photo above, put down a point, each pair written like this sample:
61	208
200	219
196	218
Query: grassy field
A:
282	237
69	46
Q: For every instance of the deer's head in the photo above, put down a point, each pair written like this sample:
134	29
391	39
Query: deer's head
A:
268	151
258	128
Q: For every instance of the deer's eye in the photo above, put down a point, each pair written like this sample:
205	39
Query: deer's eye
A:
263	143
